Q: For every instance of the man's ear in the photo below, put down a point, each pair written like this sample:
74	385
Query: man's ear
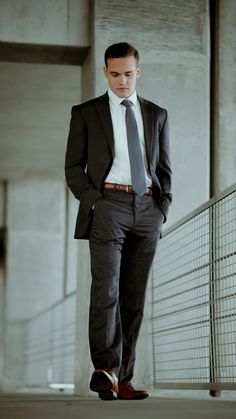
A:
105	71
138	71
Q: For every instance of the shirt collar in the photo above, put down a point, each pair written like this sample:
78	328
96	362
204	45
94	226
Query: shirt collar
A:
116	100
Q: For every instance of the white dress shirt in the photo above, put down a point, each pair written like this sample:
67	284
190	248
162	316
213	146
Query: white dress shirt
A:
120	170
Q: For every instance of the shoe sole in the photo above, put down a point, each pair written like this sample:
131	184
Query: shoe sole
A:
137	397
107	395
100	383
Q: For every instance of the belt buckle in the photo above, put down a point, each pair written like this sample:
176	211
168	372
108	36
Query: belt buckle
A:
127	188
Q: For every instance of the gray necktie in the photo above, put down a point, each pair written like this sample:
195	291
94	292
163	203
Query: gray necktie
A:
135	153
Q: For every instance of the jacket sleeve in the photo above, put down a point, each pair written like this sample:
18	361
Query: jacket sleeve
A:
76	162
164	171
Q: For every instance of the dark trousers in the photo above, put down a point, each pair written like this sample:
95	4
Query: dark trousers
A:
124	234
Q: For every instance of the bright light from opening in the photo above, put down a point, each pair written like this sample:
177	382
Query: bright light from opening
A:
62	386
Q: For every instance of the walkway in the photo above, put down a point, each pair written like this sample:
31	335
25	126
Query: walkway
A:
70	407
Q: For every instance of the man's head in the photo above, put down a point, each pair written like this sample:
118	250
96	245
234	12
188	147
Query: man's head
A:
121	68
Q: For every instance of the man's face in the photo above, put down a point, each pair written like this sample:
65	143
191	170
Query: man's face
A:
122	74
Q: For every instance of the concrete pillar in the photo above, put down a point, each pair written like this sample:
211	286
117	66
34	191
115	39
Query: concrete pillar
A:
83	365
223	159
35	262
78	277
224	149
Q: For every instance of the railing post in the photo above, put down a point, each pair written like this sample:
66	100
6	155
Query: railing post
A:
213	311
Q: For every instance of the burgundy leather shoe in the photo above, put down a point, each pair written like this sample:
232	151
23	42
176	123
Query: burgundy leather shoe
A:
104	382
127	392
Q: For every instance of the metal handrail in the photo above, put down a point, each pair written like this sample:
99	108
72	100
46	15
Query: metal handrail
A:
218	197
194	297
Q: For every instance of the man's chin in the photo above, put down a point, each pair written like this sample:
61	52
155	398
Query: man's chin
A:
123	93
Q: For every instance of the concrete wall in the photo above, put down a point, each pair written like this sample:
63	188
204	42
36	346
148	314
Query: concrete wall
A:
36	231
35	111
2	205
59	22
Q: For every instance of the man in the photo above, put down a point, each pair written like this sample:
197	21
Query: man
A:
117	165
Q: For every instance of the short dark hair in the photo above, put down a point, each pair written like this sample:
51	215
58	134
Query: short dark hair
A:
122	49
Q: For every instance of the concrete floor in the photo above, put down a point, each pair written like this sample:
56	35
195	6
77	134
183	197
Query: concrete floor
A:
70	407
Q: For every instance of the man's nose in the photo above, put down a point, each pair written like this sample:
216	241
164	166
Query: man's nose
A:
122	80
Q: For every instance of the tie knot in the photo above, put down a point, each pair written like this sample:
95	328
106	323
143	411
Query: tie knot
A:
127	103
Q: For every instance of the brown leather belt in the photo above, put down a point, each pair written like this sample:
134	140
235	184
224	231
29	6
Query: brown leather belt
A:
117	187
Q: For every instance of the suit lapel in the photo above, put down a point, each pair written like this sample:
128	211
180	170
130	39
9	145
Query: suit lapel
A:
103	109
147	113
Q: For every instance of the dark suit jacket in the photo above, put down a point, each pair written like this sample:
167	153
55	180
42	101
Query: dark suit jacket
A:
90	153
